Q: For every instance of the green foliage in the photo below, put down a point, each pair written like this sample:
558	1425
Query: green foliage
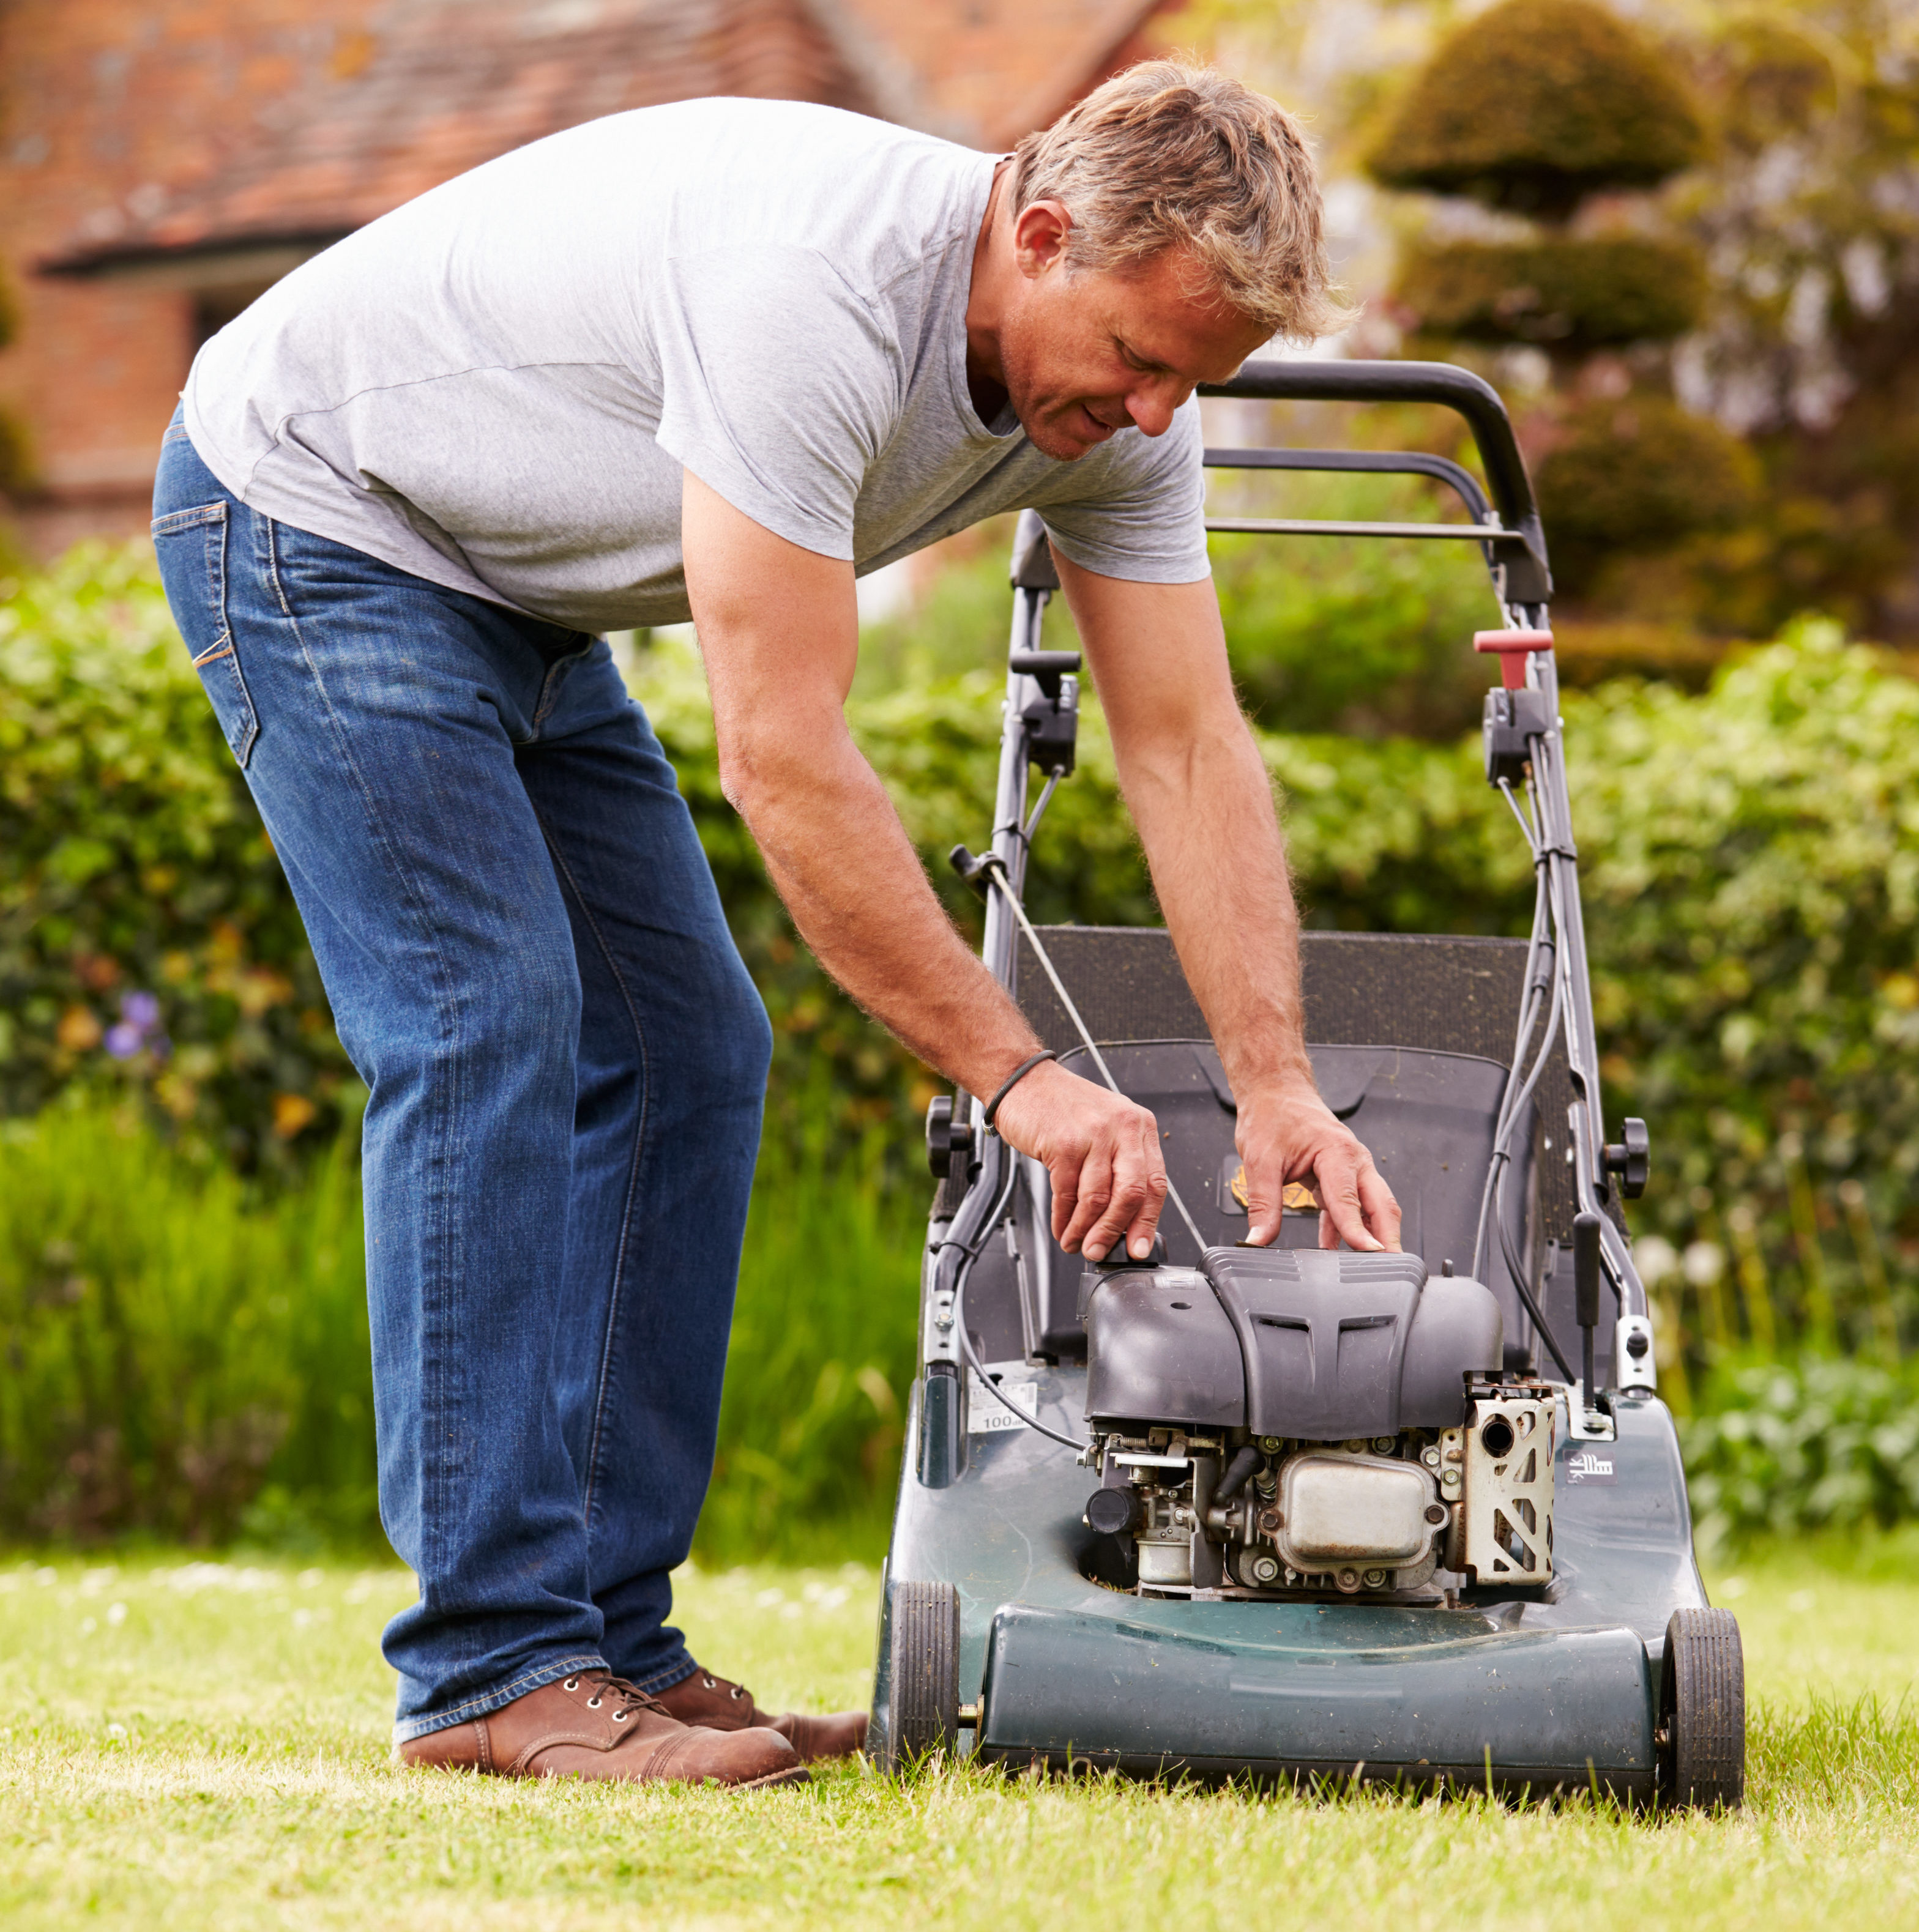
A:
1637	475
1752	880
1535	104
181	1343
183	1355
148	939
174	1344
958	624
1350	633
1774	81
823	1348
1790	1449
1324	634
1572	294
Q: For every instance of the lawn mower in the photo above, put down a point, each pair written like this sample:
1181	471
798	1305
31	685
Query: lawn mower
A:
1285	1513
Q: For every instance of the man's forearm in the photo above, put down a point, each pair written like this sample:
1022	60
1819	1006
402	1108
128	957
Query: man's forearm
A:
864	905
1205	815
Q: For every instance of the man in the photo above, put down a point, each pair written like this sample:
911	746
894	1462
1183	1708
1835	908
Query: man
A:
714	359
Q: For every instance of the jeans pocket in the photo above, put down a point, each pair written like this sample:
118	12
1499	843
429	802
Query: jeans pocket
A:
191	545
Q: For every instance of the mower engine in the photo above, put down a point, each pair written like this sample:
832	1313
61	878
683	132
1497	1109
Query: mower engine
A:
1280	1422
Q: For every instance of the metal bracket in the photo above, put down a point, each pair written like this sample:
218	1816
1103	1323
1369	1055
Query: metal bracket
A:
1585	1423
1632	1363
1509	1490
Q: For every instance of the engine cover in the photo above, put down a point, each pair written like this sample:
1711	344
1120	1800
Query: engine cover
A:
1301	1344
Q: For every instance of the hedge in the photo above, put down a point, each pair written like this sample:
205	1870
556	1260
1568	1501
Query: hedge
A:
1751	866
148	940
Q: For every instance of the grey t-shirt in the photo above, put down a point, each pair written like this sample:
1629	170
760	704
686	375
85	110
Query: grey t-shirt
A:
495	386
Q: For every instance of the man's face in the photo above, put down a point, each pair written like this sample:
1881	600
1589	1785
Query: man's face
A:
1083	355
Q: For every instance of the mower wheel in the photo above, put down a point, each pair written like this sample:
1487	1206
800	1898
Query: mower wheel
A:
923	1712
1701	1733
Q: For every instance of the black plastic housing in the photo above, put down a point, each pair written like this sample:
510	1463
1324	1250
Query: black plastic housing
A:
1311	1345
1513	719
1053	728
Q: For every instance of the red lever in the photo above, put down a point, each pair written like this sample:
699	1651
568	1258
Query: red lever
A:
1512	648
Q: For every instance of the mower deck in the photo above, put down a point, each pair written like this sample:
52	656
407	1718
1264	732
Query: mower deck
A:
1532	1689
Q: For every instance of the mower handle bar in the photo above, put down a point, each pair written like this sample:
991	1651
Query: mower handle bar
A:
1365	462
1457	389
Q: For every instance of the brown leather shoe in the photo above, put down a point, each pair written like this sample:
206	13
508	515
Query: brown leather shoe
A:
715	1705
596	1725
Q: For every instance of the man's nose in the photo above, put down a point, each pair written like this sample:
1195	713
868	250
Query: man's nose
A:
1152	405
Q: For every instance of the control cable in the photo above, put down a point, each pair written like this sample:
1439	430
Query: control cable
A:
967	1258
995	869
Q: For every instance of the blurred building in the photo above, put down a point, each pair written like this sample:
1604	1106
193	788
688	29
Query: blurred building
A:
162	161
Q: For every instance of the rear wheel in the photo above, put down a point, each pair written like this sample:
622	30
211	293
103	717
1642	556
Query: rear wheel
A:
1702	1712
924	1701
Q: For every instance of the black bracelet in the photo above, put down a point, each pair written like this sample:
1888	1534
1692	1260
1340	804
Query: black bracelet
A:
1013	1079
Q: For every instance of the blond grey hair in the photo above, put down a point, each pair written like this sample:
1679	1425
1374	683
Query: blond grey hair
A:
1171	154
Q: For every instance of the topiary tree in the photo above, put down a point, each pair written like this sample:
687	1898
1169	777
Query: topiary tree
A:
1532	109
1629	475
1569	296
1535	105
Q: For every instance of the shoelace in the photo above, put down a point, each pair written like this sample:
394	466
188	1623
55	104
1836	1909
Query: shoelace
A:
630	1698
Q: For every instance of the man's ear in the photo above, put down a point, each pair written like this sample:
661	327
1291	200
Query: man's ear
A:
1039	236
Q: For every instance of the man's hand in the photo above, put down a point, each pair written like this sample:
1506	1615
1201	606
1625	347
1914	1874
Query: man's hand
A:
1102	1152
1289	1133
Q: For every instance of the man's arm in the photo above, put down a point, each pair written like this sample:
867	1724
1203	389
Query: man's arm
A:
1198	793
779	629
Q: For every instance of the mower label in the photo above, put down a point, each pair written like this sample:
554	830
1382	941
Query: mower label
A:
986	1417
1587	1465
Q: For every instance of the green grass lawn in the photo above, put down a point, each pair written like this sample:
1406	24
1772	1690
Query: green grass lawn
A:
205	1744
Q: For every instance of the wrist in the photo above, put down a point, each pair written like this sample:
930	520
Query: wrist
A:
1022	1070
980	1069
1290	1087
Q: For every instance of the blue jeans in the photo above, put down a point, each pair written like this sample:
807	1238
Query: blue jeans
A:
529	966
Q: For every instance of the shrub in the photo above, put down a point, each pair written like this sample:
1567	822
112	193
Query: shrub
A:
1752	880
1569	294
1792	1448
1349	634
1637	475
148	939
1535	104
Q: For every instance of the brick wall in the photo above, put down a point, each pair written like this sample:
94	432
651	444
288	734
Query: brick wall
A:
99	102
113	112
